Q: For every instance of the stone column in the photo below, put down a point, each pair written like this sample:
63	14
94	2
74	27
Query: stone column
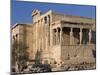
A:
42	33
45	34
47	20
56	36
90	36
42	43
60	35
53	34
46	43
71	36
48	31
80	36
40	29
39	44
36	35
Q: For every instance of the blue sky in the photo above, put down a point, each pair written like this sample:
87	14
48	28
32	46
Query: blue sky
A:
21	11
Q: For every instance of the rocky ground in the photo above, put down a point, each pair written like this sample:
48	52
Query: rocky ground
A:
46	68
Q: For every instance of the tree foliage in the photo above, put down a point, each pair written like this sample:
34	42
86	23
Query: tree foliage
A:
19	53
38	57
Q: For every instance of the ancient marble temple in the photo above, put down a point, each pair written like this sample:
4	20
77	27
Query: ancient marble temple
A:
61	38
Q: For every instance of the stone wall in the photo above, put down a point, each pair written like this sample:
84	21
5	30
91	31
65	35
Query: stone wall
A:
56	53
29	40
17	33
23	33
77	54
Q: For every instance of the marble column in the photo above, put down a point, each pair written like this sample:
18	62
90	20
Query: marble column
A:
48	30
80	36
36	35
56	36
71	36
39	44
43	33
90	36
53	35
46	43
47	20
60	35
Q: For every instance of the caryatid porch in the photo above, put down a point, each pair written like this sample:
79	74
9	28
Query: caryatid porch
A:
71	33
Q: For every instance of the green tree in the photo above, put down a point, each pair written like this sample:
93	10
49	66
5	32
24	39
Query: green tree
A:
19	54
38	57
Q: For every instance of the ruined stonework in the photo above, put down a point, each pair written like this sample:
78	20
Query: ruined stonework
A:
62	39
